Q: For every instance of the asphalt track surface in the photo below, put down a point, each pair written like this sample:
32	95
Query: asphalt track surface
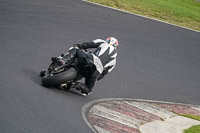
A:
156	61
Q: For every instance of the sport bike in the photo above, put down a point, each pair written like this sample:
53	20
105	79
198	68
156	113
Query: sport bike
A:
61	76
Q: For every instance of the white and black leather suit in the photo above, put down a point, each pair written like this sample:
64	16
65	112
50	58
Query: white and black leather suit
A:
100	62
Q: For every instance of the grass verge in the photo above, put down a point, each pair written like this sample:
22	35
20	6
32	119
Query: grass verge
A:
193	129
195	117
185	13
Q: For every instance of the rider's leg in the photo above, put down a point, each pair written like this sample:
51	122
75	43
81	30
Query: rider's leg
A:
83	88
83	54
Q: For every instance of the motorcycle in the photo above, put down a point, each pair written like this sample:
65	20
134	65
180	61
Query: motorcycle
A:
61	76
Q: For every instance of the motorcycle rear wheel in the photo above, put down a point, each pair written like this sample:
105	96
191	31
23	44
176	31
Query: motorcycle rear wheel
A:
60	78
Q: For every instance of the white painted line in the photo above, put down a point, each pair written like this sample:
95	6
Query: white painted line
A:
100	130
175	124
84	115
196	108
154	101
140	16
164	114
115	116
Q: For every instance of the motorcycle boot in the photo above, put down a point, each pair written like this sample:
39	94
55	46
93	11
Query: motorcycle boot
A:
83	89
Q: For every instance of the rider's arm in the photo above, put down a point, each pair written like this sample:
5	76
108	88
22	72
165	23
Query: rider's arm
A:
107	69
94	44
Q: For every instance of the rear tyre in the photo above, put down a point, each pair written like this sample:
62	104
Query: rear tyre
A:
60	78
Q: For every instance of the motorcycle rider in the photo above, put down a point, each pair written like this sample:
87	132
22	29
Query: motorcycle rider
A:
92	66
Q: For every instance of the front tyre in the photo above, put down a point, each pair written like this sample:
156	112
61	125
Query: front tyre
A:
42	73
60	78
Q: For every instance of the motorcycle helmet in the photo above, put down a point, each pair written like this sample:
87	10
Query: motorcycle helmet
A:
112	41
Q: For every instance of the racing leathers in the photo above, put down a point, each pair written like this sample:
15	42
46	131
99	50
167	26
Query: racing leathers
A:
94	66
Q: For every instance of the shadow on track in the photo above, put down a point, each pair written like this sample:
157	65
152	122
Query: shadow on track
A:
35	77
